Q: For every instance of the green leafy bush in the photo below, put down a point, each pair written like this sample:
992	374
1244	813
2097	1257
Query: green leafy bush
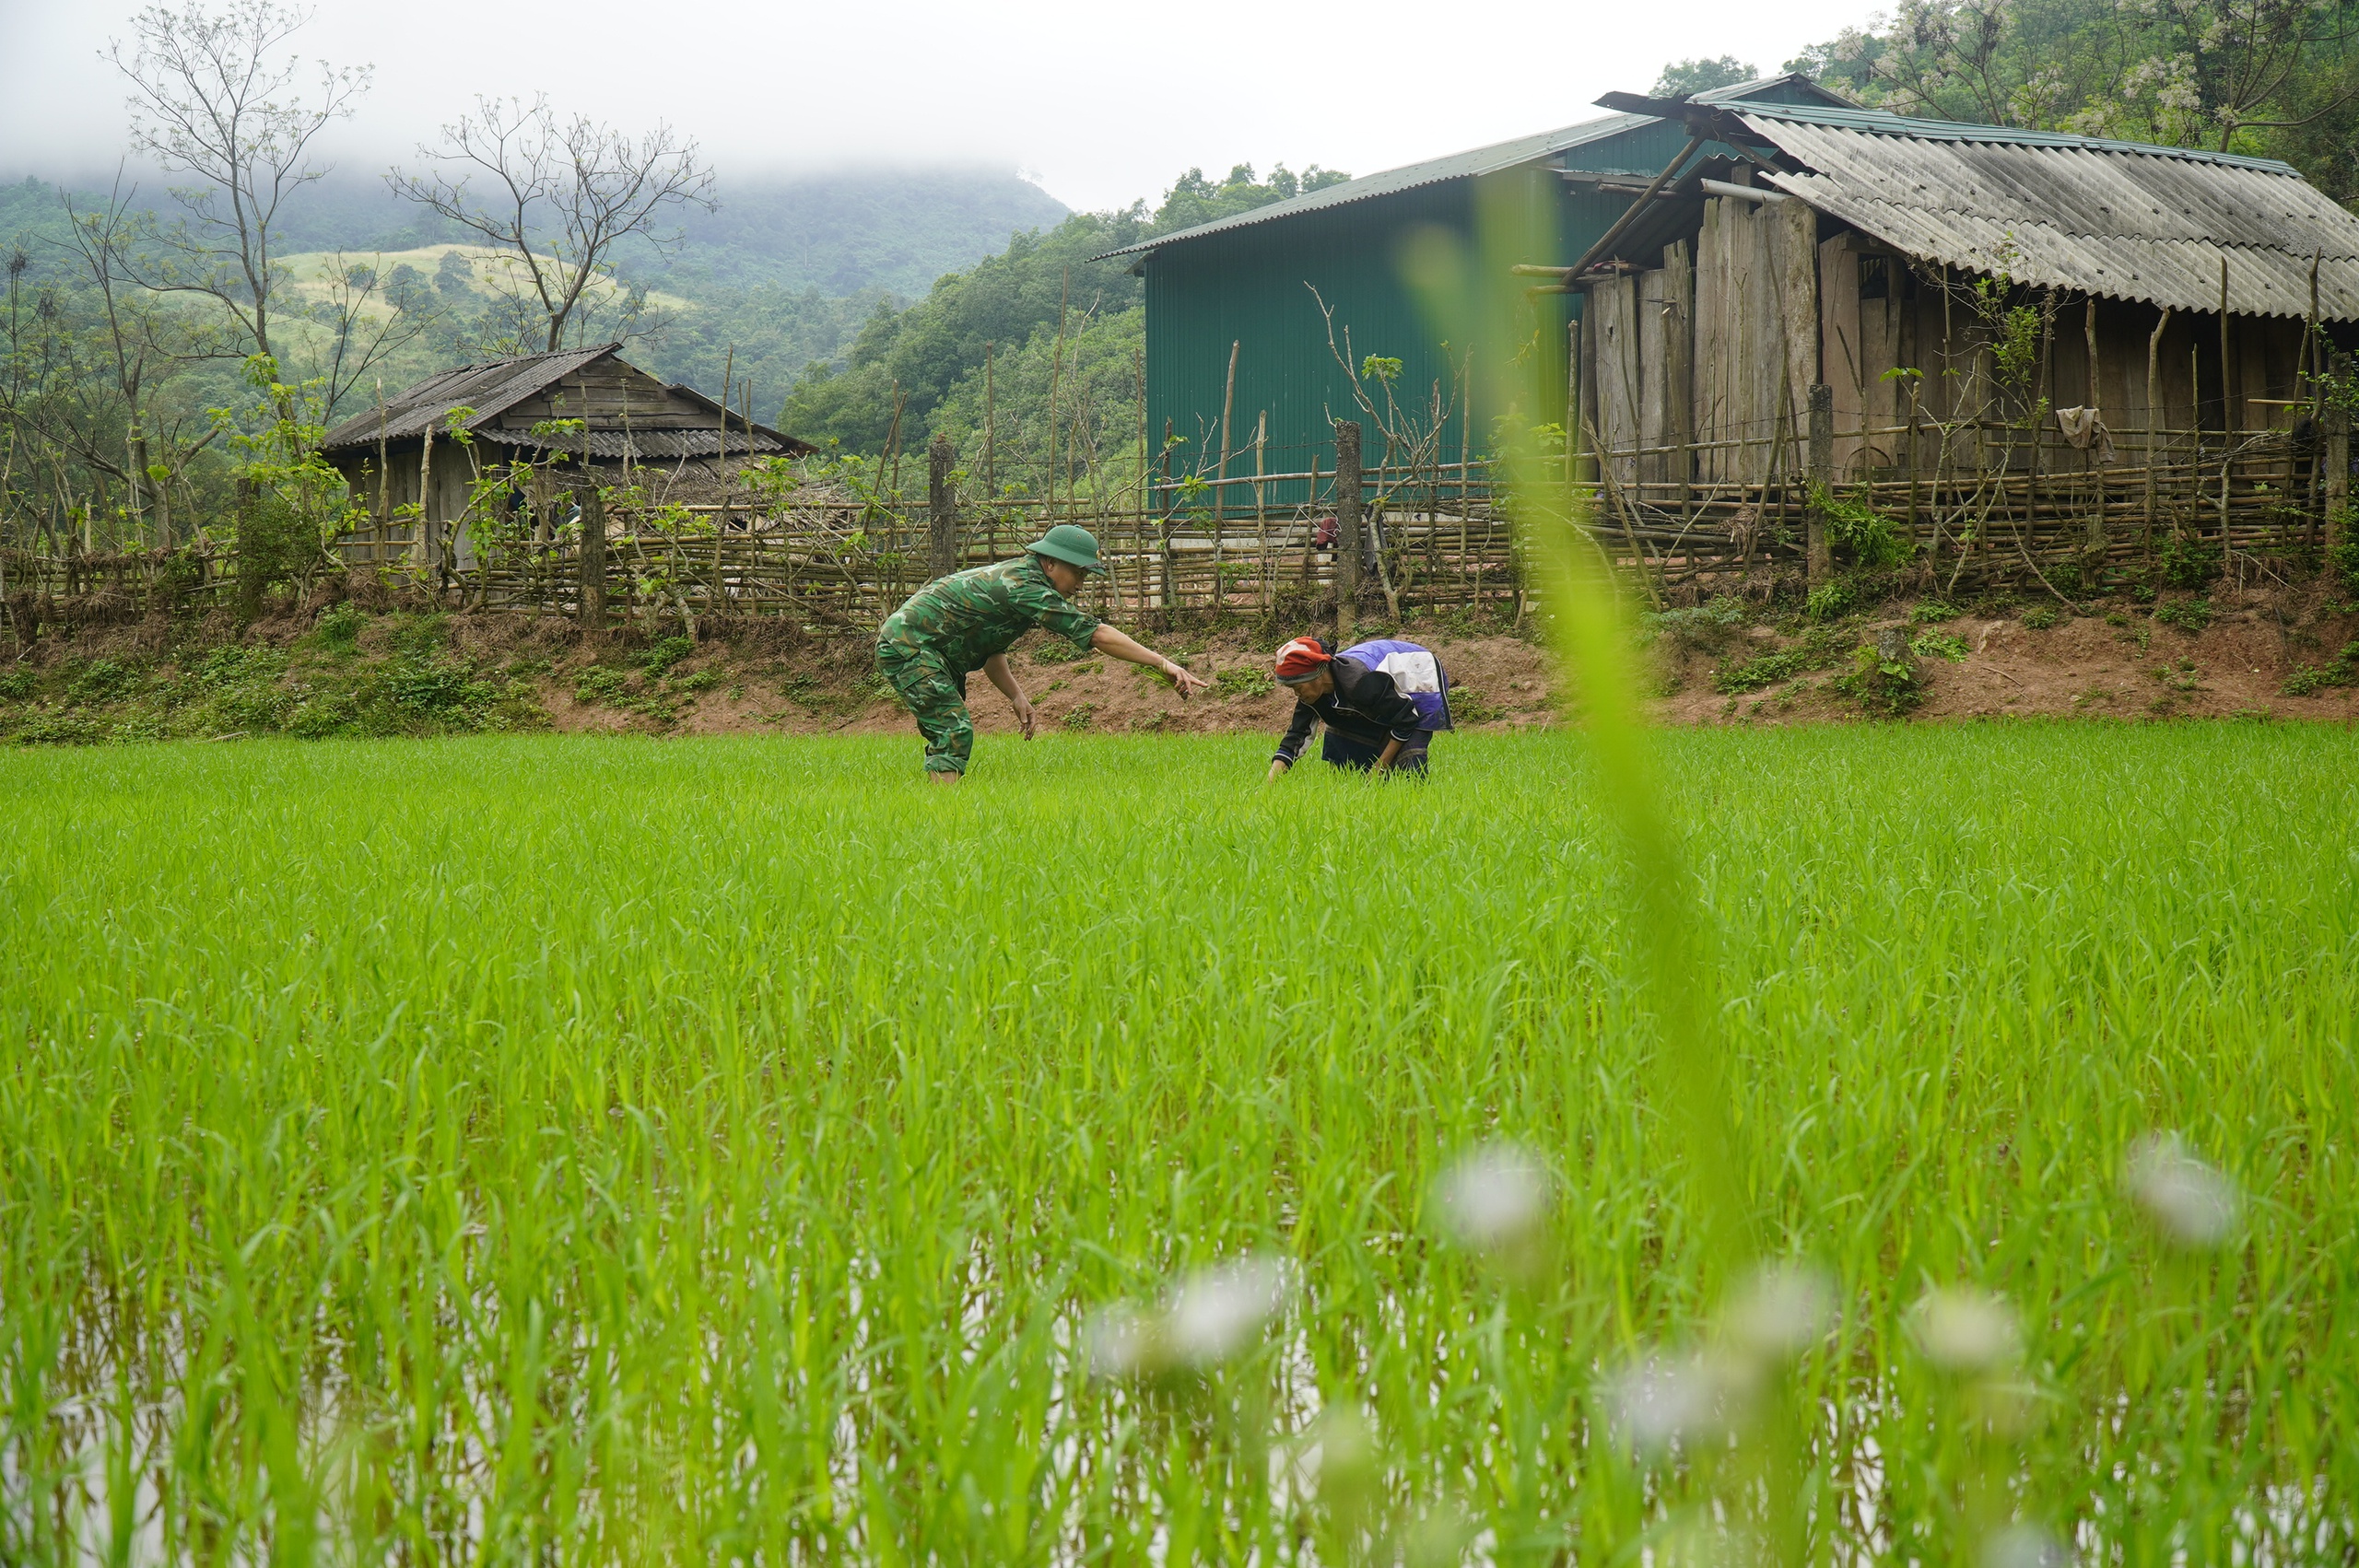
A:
1829	602
430	691
58	730
1934	610
339	627
600	683
1707	626
1078	718
1865	536
17	685
2344	559
101	680
1467	706
702	681
1939	645
1244	680
2190	615
2342	671
2186	561
2040	617
664	653
1885	687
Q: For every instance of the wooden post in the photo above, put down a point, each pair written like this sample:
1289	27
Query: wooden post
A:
2094	523
594	557
1822	478
941	507
1261	508
2337	423
2154	395
422	550
2230	420
1164	525
1572	398
1347	516
1220	491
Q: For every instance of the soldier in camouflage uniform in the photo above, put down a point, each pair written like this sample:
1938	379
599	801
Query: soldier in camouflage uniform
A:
966	622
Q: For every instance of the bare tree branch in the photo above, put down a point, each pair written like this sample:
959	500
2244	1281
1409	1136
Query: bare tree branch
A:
559	199
211	99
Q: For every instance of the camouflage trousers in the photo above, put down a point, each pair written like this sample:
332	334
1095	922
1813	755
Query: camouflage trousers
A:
927	689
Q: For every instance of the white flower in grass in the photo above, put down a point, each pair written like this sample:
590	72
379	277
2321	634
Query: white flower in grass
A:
1968	1332
1122	1343
1494	1197
2025	1546
2192	1201
1656	1399
1784	1310
1220	1310
1338	1458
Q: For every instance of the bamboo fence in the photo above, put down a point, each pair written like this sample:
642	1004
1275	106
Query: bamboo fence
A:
1984	502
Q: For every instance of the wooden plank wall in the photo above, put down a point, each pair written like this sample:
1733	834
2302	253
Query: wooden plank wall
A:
608	390
1771	309
1754	349
1644	370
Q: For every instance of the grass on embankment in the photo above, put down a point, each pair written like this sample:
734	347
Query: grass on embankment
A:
689	1150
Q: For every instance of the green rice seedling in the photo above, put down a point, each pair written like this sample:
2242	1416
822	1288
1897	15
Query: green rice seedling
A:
616	1152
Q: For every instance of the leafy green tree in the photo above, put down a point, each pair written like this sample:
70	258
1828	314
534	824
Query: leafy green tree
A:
1685	78
904	363
2253	75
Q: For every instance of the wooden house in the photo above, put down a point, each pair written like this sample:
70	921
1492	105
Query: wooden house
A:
403	453
1235	330
2100	319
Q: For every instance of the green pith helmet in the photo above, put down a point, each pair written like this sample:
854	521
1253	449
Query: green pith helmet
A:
1075	546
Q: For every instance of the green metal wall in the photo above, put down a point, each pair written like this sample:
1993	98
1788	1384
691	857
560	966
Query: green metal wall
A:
1251	286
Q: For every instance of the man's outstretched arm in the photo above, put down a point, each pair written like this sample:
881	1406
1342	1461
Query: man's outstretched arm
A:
1106	640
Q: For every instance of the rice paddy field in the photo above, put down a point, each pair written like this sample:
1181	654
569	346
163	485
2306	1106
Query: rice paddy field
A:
570	1149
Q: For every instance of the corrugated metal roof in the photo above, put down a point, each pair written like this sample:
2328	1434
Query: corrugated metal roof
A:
490	389
2111	218
1457	166
1853	117
644	445
493	387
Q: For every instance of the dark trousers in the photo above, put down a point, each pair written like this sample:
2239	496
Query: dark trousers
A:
1345	751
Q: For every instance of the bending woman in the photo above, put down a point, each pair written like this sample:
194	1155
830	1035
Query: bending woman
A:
1381	702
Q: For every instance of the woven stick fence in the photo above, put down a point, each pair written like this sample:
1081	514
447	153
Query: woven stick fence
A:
1988	503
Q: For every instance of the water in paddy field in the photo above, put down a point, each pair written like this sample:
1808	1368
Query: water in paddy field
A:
607	1150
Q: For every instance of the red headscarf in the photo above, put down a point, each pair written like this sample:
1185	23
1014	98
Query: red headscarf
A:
1301	659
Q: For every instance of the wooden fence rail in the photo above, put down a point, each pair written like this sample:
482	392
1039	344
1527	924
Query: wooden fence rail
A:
1433	538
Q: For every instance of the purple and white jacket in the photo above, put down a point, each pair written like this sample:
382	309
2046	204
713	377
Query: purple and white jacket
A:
1385	690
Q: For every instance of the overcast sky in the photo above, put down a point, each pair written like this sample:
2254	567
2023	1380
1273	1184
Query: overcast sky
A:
1100	103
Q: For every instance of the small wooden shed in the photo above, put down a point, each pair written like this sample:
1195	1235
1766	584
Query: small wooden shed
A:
1971	300
400	453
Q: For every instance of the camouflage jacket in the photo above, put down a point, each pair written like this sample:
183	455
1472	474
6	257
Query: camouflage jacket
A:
966	618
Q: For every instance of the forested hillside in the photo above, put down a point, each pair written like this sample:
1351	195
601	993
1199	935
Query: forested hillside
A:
782	270
1041	317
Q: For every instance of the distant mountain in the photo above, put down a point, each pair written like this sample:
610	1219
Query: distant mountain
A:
851	233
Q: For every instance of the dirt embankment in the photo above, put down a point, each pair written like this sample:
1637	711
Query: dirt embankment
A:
2224	655
344	668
